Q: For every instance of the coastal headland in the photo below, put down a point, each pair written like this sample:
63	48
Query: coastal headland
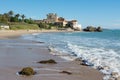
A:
17	53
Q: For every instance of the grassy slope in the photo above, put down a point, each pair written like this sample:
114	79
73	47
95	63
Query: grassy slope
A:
23	26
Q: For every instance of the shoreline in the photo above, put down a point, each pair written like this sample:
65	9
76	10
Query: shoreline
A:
16	33
41	52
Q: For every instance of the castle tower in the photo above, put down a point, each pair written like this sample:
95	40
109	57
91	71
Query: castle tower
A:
51	17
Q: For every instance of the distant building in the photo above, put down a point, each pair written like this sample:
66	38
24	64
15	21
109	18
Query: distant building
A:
60	21
51	18
3	26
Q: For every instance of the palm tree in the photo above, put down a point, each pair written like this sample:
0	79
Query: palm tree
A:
17	16
23	16
10	13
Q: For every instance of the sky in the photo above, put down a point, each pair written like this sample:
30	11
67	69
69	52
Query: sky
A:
104	13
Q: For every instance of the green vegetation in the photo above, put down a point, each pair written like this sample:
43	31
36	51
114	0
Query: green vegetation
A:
46	26
27	71
23	26
17	21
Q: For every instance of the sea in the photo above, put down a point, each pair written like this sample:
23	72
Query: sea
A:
99	48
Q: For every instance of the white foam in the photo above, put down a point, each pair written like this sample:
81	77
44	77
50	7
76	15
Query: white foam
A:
107	58
100	51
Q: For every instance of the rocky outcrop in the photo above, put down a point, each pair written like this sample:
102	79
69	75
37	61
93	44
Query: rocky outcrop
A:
93	29
77	27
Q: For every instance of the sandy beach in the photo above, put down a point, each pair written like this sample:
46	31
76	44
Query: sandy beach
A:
16	53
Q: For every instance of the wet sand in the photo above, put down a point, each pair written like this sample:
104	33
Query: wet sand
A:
16	53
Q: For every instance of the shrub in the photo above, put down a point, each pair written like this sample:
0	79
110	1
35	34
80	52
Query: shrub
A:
23	26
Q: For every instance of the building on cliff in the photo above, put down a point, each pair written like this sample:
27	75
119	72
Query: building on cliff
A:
60	21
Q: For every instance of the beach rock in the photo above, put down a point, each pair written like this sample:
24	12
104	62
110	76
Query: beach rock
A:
66	72
27	71
50	61
114	74
86	63
100	68
73	54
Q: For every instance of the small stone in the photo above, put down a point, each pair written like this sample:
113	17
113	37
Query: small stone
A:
66	72
114	74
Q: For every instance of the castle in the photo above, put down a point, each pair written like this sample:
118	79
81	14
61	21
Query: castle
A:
60	21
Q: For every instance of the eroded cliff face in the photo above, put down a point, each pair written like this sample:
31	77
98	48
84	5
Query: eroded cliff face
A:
77	27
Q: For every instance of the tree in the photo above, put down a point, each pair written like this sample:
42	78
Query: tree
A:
43	25
14	19
29	21
17	17
10	13
4	19
0	17
23	16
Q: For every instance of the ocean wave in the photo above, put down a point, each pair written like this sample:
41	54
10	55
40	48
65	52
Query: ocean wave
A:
100	49
100	57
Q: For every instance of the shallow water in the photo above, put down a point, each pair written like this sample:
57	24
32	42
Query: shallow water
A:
100	48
